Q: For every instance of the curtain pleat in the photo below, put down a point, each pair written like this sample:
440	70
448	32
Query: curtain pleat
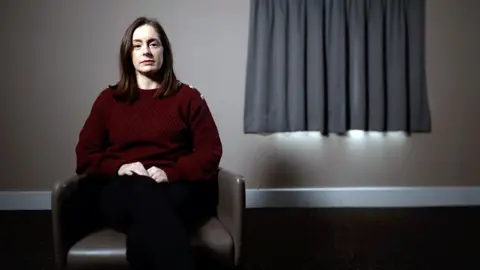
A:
336	65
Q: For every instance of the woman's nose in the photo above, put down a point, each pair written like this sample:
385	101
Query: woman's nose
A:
145	50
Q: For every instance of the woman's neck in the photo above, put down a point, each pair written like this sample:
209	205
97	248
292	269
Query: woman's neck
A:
144	82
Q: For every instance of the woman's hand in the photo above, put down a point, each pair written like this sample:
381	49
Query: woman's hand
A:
133	168
157	174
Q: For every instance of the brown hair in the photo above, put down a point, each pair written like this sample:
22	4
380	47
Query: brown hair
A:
127	88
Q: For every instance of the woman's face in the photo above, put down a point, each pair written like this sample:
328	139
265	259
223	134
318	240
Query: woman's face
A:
147	50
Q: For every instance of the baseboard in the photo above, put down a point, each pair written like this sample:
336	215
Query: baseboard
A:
364	197
25	200
304	197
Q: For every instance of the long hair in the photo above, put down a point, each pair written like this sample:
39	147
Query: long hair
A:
127	88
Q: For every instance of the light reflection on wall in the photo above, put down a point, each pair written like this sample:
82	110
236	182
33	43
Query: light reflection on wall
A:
353	140
352	135
299	157
391	135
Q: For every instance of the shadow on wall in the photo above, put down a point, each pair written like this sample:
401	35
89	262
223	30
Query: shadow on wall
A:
278	165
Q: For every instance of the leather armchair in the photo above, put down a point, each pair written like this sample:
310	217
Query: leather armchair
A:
89	246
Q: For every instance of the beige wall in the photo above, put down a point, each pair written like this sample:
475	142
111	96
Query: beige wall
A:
58	55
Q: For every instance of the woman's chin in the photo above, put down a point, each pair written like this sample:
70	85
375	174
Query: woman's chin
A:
148	71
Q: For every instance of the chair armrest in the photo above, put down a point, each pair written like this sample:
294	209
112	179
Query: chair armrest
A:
231	206
62	191
72	215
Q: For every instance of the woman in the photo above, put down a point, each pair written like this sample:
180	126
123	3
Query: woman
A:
152	149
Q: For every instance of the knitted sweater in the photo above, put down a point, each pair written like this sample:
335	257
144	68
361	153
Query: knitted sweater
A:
176	133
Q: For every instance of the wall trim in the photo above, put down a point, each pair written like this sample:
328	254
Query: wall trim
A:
305	197
375	197
25	200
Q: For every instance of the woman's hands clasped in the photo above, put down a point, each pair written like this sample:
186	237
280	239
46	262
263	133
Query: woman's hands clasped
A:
132	168
155	173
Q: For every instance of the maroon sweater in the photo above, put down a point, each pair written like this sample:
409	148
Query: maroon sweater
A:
175	133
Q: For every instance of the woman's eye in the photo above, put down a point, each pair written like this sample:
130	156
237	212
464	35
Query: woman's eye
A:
154	44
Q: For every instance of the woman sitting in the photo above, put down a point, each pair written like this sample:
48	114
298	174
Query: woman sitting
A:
151	150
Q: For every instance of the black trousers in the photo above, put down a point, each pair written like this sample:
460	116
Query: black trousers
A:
157	218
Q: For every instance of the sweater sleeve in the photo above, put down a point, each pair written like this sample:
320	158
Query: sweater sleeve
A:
92	157
203	163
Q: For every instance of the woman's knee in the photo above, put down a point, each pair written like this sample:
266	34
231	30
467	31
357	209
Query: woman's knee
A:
142	186
147	196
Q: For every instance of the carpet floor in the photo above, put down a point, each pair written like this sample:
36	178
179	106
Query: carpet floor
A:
301	239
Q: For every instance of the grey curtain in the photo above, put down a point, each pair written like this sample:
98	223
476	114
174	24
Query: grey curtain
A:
336	65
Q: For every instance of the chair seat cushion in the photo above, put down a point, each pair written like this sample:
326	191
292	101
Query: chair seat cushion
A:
214	239
106	248
103	249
